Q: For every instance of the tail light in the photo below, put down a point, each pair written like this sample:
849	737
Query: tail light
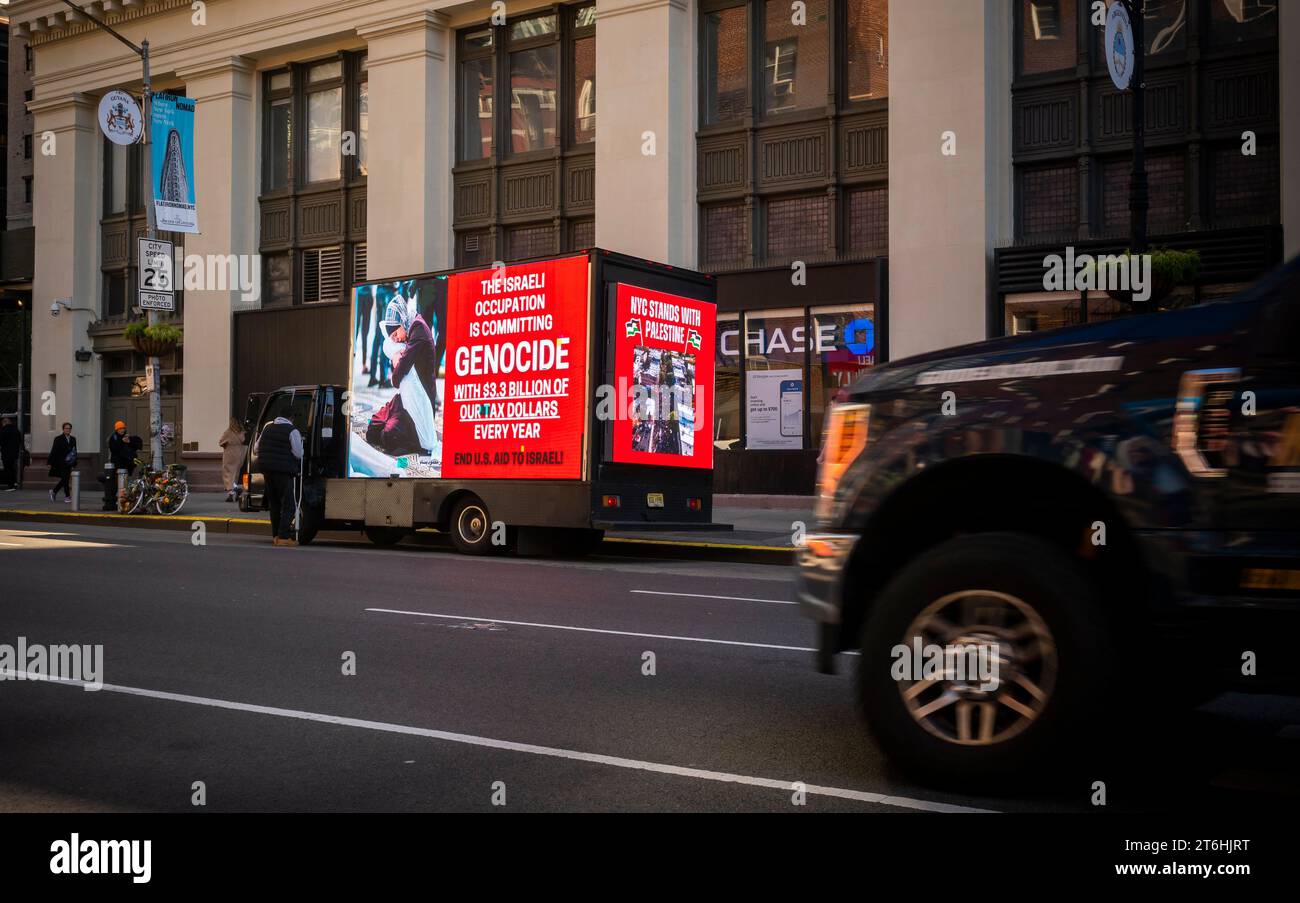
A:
245	482
695	504
610	501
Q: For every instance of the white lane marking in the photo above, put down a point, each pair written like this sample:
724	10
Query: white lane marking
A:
647	636
655	592
553	752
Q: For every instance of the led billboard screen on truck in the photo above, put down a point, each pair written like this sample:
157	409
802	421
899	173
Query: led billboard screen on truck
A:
473	375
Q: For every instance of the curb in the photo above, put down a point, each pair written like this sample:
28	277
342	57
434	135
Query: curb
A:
246	526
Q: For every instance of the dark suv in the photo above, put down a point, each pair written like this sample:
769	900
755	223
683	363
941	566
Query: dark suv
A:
1038	541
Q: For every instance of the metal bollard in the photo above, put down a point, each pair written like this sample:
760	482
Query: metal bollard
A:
76	490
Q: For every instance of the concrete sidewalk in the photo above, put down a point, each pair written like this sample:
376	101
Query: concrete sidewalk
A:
754	528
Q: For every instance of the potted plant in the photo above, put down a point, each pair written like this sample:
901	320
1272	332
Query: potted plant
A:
155	341
1169	269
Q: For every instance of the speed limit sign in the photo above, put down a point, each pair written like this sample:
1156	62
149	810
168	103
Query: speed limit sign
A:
157	285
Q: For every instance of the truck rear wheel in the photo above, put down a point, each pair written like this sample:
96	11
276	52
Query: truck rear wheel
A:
471	527
1024	673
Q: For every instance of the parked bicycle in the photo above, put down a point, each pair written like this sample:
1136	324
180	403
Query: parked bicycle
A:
162	491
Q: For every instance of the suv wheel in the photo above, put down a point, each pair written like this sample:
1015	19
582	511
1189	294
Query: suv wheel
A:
984	660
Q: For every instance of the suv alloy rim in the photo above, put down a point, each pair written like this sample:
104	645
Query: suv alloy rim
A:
968	711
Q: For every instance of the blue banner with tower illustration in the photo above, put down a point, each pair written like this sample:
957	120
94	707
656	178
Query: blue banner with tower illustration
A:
172	159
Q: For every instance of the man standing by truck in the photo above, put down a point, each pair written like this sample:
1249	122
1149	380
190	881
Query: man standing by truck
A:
279	458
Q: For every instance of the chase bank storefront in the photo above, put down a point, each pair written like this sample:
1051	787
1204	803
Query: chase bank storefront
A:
785	351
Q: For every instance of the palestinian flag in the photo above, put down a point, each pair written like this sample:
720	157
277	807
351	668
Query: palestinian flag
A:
633	328
693	340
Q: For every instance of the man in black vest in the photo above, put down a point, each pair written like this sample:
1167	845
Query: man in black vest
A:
279	458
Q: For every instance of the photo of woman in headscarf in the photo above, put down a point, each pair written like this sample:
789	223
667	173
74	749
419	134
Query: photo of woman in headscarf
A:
396	427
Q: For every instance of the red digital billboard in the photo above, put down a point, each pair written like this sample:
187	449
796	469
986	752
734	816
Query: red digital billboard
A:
516	371
663	367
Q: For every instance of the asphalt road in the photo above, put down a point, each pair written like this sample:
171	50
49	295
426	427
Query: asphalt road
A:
223	664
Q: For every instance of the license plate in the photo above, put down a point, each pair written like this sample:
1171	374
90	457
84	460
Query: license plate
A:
654	499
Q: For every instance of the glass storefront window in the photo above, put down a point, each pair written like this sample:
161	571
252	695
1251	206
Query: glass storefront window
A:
775	357
476	109
726	383
843	350
532	99
795	62
536	27
324	126
726	51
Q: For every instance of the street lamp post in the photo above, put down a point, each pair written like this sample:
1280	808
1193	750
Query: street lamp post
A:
154	370
1138	196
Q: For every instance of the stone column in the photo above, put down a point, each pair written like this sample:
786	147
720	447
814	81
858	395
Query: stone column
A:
646	74
225	166
65	212
408	192
948	74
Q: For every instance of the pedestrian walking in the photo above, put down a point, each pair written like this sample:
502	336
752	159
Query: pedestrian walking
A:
62	459
11	446
232	458
279	459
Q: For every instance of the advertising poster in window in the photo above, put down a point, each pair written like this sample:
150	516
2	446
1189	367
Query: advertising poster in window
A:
775	408
172	161
664	358
396	378
516	371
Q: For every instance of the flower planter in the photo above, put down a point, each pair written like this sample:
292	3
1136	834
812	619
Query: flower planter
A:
153	347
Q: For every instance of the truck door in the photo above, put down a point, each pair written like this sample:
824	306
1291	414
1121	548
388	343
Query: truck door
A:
297	407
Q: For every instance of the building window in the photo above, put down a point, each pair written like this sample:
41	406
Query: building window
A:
867	56
1246	189
726	235
582	235
533	75
316	138
27	189
547	61
1166	181
762	65
797	226
795	56
868	221
27	58
529	241
324	121
27	147
1242	20
1049	201
1048	36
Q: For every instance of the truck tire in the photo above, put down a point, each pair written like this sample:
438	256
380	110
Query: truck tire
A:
1033	609
471	527
312	514
385	536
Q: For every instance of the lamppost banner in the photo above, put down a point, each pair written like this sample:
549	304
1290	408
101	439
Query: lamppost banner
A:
172	147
